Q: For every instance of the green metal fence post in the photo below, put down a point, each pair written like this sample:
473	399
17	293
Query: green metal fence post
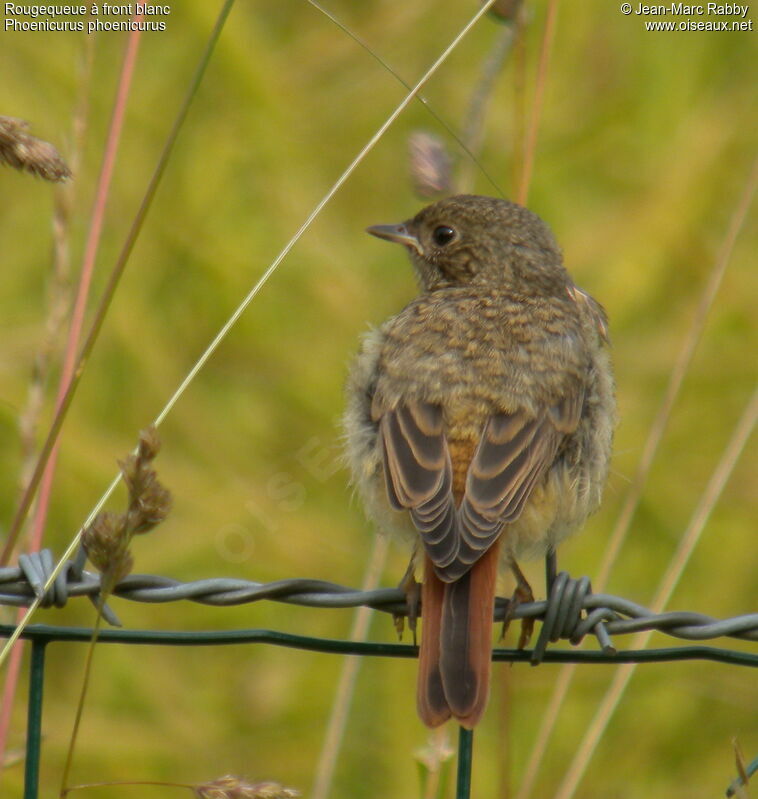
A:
34	718
465	751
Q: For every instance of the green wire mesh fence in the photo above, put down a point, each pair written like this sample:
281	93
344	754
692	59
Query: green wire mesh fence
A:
571	612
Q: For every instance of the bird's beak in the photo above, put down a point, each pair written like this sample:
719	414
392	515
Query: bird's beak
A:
397	233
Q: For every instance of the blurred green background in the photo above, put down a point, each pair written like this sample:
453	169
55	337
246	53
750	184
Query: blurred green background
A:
646	143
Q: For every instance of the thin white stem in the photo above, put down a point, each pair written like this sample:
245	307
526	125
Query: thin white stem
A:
365	150
343	696
213	346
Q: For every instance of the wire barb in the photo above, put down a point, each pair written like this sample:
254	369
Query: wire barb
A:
563	616
37	567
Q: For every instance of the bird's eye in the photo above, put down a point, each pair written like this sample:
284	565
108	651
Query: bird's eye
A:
443	235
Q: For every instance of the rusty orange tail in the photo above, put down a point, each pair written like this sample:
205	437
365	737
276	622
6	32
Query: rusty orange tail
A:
456	643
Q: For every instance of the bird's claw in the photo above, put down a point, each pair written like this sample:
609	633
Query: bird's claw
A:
412	590
522	594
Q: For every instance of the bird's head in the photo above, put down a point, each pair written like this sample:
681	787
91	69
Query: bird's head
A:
474	240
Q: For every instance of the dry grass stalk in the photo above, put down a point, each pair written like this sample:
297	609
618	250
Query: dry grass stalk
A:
476	114
106	541
739	787
530	148
658	427
434	762
59	303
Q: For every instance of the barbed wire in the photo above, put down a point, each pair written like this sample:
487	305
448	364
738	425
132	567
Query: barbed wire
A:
571	612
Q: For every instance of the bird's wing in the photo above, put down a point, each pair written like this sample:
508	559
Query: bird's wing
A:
514	453
419	475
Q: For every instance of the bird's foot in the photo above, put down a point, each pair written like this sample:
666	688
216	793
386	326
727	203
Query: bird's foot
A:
521	595
412	590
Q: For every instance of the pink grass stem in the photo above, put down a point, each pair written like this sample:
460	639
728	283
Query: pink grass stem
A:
88	267
72	343
539	95
9	692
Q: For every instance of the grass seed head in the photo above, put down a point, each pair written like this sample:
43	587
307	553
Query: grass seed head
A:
230	787
430	165
106	544
20	150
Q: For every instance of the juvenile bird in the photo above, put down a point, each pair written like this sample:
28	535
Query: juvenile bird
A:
479	419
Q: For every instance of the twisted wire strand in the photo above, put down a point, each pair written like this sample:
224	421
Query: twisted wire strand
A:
571	612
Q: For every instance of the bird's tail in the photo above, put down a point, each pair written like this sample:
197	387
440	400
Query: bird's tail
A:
456	643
